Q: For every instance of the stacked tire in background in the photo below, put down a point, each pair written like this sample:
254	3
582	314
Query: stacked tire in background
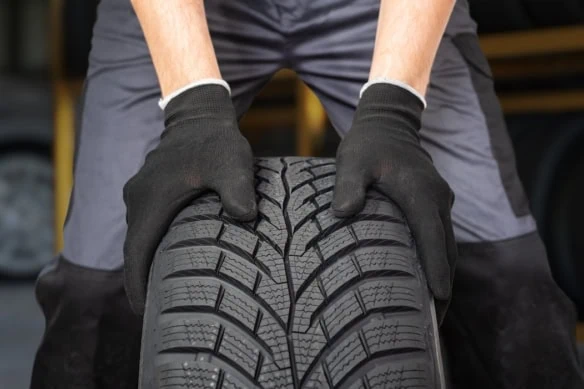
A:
550	159
548	147
511	15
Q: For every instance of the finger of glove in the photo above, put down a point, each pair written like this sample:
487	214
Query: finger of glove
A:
237	194
426	226
427	229
350	191
147	224
451	247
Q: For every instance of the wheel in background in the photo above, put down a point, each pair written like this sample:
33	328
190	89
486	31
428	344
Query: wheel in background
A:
499	15
26	204
553	13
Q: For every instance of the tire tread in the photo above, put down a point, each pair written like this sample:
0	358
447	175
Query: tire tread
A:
295	299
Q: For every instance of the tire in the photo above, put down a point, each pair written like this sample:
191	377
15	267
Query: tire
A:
296	299
494	16
550	163
554	13
26	203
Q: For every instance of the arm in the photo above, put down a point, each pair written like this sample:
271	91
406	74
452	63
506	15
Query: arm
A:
173	28
383	148
408	35
201	147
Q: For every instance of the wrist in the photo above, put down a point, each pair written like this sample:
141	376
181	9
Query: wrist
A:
163	102
396	83
201	102
388	106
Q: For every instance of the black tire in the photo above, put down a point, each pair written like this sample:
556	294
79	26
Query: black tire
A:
494	16
553	13
551	164
296	299
26	201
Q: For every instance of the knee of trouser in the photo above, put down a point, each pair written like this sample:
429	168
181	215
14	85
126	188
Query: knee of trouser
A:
514	273
74	291
504	269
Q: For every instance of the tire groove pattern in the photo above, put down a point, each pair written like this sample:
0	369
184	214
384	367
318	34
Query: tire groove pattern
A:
296	299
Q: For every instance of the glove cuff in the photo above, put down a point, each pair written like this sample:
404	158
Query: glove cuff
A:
203	102
401	84
389	106
162	103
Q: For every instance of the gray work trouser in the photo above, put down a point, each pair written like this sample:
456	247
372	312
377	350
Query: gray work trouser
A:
509	325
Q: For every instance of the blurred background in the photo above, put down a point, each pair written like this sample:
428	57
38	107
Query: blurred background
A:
535	48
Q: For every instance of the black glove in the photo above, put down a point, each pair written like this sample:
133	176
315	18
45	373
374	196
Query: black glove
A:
200	149
383	149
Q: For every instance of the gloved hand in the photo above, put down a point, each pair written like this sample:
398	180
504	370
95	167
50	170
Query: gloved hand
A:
201	149
383	149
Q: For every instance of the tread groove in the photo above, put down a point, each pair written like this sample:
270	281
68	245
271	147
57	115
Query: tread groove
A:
289	274
360	301
364	344
327	374
266	197
219	339
220	296
309	181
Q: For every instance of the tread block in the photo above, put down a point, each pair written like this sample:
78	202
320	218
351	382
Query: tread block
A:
239	237
208	206
188	292
386	334
192	375
374	259
348	354
189	259
184	333
240	270
183	234
396	294
379	230
237	349
337	241
399	375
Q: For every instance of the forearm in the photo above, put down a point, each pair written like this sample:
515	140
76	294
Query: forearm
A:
179	41
408	35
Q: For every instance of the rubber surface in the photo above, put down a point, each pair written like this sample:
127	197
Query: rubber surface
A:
296	299
499	15
553	13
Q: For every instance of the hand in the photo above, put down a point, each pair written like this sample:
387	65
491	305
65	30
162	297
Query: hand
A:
200	149
382	149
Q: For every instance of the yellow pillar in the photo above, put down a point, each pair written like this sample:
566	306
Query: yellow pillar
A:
63	151
311	121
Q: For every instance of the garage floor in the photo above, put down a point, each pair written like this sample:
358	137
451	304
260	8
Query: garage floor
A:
21	328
